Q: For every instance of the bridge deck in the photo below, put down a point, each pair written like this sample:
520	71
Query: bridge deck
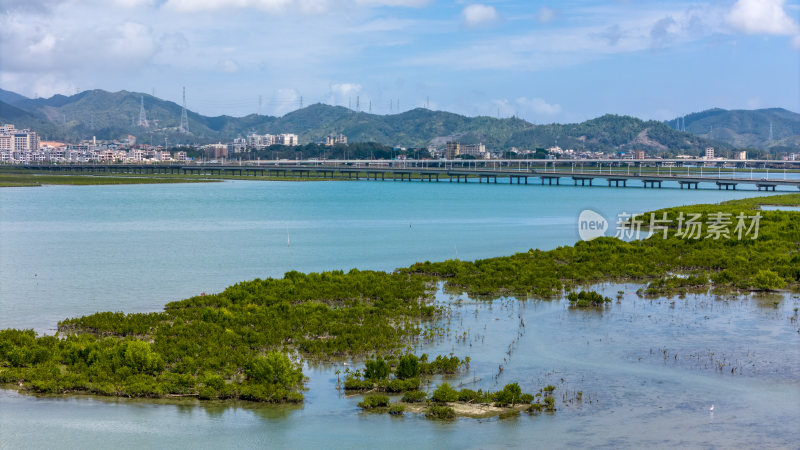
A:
383	170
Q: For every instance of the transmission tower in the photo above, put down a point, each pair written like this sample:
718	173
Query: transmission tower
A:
142	114
358	103
770	131
184	127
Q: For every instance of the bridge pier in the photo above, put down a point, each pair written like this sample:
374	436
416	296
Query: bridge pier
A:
617	181
727	185
583	180
689	184
550	180
652	183
766	187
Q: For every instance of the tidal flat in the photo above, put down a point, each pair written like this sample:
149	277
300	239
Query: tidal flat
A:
648	372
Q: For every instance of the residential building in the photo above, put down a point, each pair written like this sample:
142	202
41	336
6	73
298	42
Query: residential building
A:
709	152
740	156
334	139
15	140
475	150
452	149
286	139
638	154
6	142
258	140
239	145
216	151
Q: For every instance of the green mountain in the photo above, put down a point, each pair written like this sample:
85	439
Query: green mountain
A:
10	97
115	115
747	128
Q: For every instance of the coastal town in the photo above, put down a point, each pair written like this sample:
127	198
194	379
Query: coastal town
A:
23	146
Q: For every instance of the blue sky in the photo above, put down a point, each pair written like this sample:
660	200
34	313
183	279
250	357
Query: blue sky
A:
545	61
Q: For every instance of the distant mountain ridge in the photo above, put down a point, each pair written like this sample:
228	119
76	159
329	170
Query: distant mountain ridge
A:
746	128
114	115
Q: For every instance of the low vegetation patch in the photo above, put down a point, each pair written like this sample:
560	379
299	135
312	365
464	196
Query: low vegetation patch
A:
587	299
440	412
374	401
241	343
770	261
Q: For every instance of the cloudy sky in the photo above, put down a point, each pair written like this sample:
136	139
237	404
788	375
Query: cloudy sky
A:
545	61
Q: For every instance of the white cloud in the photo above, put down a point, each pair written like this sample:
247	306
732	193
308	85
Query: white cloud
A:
283	101
541	48
132	41
754	103
228	66
761	17
43	86
612	35
273	6
526	107
345	89
478	15
538	106
405	3
133	3
35	44
279	6
663	31
343	94
546	14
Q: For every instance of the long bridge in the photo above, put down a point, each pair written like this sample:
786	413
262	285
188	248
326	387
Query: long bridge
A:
617	173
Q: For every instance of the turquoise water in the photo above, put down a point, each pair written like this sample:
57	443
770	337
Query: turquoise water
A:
74	250
648	368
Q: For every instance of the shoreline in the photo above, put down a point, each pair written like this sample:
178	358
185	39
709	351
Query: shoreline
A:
12	177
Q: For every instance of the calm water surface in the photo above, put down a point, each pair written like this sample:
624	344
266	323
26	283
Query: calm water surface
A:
649	369
74	250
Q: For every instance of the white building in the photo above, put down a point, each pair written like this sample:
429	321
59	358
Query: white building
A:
709	152
12	139
258	140
475	150
286	139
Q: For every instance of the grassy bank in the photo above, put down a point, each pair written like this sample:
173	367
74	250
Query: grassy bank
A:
772	261
246	342
23	179
18	178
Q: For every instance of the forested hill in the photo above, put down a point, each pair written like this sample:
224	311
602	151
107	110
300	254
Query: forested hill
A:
114	115
746	128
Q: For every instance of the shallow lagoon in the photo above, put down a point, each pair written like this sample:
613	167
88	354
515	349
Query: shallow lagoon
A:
636	391
67	251
75	250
